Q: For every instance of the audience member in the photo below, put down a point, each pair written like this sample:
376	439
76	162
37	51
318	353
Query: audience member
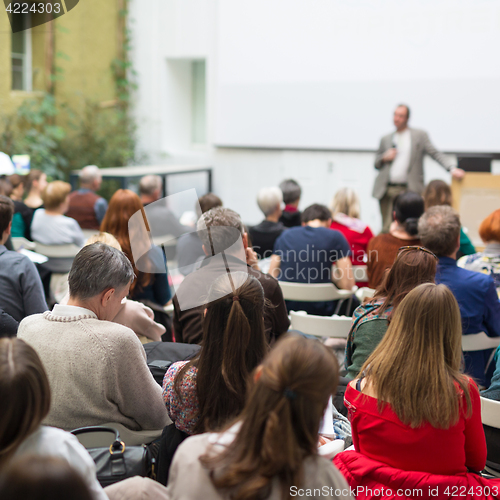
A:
291	197
8	325
437	192
50	226
25	442
382	249
189	246
307	254
147	286
36	182
264	235
21	222
206	392
439	230
85	206
270	451
412	409
162	221
220	229
97	369
21	289
412	267
346	211
487	261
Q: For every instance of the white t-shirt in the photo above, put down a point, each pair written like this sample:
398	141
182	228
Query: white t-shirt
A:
399	168
55	229
52	442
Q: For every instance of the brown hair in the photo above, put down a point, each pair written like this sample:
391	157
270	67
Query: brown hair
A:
233	345
439	230
489	230
437	192
34	175
25	392
43	478
55	194
5	186
6	213
416	366
123	204
280	421
411	268
207	202
16	180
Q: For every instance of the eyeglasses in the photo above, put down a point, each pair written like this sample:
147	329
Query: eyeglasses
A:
403	249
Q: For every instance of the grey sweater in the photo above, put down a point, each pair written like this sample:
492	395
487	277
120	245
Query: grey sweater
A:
97	371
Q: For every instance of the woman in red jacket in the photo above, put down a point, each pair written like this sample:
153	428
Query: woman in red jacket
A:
413	410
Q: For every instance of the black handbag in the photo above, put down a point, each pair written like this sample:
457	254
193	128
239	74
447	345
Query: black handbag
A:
118	461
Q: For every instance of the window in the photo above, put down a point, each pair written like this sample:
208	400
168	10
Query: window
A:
21	57
198	105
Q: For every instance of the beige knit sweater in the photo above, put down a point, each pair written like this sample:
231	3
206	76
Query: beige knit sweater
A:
97	371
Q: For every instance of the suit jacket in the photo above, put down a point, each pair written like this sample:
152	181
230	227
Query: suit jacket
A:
420	145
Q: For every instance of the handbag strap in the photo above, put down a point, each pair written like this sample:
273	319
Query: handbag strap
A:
117	443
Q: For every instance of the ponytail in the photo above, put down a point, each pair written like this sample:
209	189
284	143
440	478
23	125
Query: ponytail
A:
411	226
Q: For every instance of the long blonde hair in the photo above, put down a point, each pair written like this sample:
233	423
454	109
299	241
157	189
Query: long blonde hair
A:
416	366
346	201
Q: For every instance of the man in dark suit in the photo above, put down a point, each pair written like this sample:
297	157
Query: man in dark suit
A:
400	162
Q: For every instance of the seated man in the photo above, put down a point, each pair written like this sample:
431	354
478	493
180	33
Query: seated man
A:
306	254
189	247
264	235
220	230
97	369
439	230
291	197
85	206
162	221
21	289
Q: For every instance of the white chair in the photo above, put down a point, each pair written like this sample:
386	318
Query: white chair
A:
57	251
87	233
321	326
307	292
364	293
479	342
360	273
19	242
329	450
490	416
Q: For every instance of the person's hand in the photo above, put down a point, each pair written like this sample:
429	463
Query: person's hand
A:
252	259
323	440
389	155
457	173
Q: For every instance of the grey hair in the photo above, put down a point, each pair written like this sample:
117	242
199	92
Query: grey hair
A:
219	227
439	230
269	199
89	173
346	201
97	268
291	191
149	184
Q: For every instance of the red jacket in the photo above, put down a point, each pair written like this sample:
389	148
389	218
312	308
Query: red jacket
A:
371	479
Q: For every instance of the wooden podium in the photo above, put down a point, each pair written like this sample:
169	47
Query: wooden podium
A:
475	197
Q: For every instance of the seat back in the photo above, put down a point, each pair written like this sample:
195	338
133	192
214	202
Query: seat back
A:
57	251
479	342
321	326
19	242
320	292
490	412
365	293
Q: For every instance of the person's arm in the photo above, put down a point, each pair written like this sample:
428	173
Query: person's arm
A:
445	161
491	315
342	274
466	246
8	325
100	207
134	390
32	289
384	155
161	289
274	267
475	442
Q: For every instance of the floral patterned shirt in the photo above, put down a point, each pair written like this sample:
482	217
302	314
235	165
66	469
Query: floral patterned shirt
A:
182	410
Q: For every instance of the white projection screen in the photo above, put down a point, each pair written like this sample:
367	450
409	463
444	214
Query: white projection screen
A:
327	74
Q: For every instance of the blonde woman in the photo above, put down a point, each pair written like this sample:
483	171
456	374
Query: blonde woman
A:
346	211
411	408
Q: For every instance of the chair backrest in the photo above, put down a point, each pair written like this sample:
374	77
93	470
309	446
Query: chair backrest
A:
307	292
365	293
479	342
20	242
57	251
490	412
321	326
360	273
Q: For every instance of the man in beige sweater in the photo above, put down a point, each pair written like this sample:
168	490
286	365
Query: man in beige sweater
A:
97	369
